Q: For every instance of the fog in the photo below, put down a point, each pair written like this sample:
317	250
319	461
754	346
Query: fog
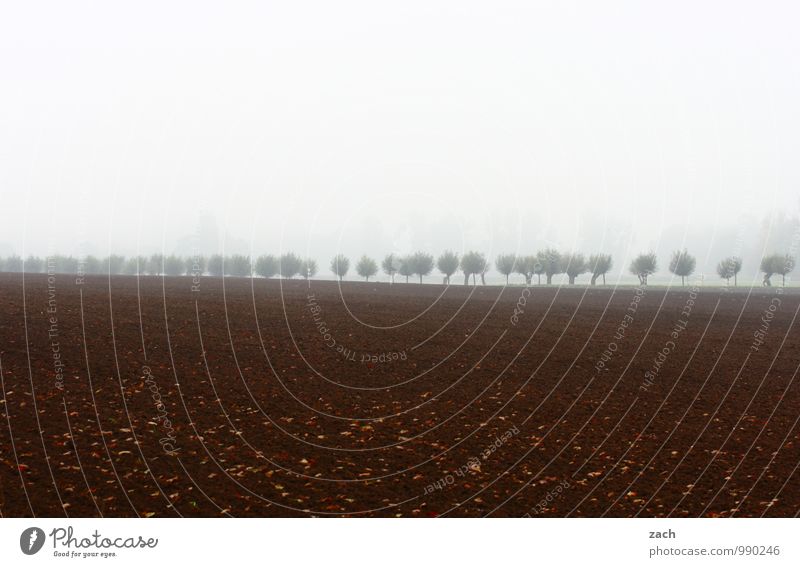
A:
366	127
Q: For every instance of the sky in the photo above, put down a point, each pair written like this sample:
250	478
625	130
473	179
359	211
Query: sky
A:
376	127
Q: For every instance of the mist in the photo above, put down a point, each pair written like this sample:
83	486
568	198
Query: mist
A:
201	128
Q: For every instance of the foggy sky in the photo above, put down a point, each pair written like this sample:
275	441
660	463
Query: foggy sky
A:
376	127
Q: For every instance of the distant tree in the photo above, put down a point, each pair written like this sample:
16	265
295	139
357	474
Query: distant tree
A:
216	265
155	265
784	264
173	265
290	265
573	264
506	264
132	264
682	264
366	267
406	267
2	264
92	265
447	263
421	264
33	265
114	264
729	268
643	266
308	269
237	265
472	264
780	264
195	265
550	259
526	267
267	266
340	266
13	264
599	265
390	265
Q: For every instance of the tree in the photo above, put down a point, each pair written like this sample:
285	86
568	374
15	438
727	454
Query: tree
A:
447	263
682	264
13	264
526	267
550	259
340	265
237	265
573	264
406	268
421	264
267	266
216	265
173	265
195	265
506	264
729	268
643	266
784	264
92	265
135	266
776	264
290	265
308	269
599	265
33	265
366	267
473	263
390	265
114	264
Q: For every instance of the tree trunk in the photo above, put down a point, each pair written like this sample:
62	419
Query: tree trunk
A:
420	278
594	279
549	279
683	281
734	280
483	279
506	279
767	283
466	279
783	280
571	280
406	279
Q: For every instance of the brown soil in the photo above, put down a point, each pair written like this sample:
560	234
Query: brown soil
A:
474	414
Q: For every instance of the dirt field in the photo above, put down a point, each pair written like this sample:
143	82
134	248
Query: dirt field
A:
273	398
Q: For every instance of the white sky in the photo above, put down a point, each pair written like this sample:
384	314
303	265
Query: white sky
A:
378	127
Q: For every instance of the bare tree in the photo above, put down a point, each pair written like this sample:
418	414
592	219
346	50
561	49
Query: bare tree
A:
682	264
340	266
447	263
308	269
506	264
472	264
290	265
643	266
729	268
366	267
599	265
526	267
550	259
421	264
267	266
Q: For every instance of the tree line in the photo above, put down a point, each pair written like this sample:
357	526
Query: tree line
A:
547	263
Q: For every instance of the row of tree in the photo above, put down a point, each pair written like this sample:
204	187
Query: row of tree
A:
548	263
